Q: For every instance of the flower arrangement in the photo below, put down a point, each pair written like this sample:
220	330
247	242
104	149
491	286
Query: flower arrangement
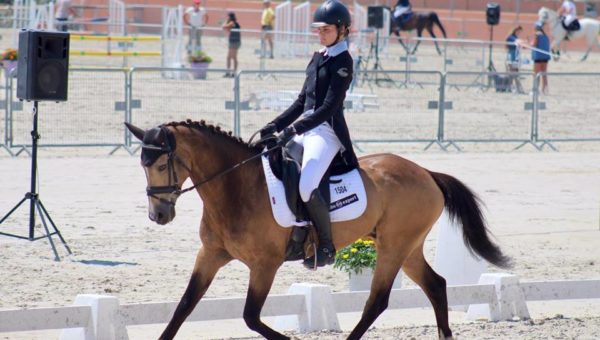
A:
354	258
10	54
199	57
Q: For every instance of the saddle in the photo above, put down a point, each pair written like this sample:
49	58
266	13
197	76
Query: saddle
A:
574	26
286	164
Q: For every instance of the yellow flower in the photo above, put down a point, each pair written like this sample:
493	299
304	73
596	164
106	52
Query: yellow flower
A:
345	256
369	242
359	241
354	250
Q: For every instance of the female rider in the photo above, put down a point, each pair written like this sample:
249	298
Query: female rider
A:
321	129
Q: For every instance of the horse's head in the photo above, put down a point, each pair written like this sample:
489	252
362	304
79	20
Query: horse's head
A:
546	14
165	171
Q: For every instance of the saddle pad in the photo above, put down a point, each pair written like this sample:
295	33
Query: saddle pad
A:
348	197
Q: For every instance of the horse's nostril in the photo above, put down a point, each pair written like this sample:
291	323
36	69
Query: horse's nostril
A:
159	216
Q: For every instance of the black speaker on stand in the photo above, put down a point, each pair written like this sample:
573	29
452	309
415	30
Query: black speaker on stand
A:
43	72
492	16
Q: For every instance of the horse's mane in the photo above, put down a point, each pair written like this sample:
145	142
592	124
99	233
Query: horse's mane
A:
213	129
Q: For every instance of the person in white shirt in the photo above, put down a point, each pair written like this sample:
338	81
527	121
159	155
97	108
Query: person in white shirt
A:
402	12
195	18
568	11
64	10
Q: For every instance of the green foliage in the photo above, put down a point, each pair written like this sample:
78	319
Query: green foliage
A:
354	258
10	54
199	57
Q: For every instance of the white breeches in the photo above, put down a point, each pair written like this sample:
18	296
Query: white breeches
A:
569	18
320	147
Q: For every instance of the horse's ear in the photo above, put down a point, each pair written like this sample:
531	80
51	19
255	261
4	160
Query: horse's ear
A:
136	131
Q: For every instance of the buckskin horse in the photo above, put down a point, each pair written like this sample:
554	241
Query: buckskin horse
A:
419	21
404	201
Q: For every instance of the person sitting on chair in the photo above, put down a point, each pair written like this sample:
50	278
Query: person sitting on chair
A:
568	12
322	129
402	12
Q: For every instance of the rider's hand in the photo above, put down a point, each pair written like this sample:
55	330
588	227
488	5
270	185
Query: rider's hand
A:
268	129
286	135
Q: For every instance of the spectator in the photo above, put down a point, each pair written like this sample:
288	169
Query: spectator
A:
195	18
267	23
541	54
513	58
235	41
64	11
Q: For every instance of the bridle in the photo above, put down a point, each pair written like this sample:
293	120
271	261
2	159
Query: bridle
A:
173	188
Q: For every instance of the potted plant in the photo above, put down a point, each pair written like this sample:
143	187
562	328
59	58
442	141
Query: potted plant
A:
358	260
199	62
9	60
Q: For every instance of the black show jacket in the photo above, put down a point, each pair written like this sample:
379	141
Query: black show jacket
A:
324	90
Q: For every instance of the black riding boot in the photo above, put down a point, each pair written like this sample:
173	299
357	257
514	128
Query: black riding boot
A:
318	211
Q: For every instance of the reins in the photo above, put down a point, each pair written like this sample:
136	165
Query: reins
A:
175	189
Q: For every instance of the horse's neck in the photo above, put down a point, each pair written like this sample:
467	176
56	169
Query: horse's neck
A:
211	155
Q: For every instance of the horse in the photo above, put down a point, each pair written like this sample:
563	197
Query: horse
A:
590	28
419	21
403	202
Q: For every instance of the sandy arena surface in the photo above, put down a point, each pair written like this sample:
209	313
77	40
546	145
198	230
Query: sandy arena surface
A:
543	207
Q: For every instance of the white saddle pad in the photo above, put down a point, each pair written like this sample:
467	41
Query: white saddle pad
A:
348	197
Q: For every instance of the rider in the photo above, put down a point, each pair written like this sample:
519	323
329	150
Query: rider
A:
402	12
321	129
568	11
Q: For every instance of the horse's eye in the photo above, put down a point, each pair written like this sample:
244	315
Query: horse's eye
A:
162	167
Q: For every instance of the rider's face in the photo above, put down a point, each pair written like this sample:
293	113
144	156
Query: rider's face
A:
327	34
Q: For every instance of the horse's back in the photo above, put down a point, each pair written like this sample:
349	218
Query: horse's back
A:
389	171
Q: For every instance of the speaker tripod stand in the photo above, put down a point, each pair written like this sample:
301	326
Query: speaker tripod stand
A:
377	74
35	203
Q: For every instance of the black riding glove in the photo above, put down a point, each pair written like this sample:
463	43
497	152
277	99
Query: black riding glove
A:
286	135
269	129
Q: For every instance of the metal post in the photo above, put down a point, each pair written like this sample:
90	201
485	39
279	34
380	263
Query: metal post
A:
236	100
441	108
128	109
535	109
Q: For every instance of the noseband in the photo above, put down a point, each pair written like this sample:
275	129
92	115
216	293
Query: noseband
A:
173	187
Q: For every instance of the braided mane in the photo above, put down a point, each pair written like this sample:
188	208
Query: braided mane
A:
216	130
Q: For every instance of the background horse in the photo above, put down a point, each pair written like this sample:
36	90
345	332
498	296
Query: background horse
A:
590	28
404	201
419	21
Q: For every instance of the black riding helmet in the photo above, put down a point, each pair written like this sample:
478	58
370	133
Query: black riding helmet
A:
332	12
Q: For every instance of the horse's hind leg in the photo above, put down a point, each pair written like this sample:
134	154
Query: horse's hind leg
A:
434	286
261	279
208	262
388	265
585	56
437	47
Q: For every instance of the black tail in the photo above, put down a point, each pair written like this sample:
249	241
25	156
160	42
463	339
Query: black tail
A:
436	20
463	205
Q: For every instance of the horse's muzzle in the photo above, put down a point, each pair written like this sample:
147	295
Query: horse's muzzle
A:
162	213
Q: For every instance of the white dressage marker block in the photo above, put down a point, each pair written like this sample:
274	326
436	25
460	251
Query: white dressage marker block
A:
319	311
453	260
102	325
511	300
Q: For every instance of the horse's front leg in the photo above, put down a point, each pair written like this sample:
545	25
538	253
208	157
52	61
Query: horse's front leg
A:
401	42
261	279
419	35
208	262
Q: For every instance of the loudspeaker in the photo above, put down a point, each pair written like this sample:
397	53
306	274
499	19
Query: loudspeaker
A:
375	16
43	69
492	14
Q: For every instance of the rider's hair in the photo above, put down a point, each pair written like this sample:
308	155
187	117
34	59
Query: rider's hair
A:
514	31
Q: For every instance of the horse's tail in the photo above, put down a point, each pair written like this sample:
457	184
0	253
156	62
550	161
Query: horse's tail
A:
463	205
436	20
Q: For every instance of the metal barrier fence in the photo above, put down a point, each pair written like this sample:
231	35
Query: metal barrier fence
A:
381	106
